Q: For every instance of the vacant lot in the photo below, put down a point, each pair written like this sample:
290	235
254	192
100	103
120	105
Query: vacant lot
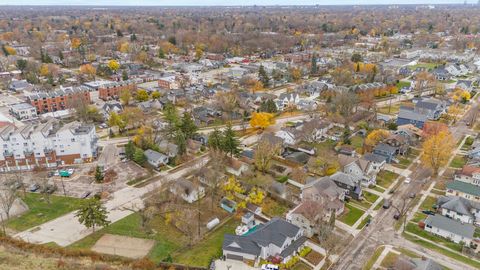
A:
125	246
386	178
42	211
351	215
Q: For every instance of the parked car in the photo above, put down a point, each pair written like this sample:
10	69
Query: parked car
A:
51	174
412	195
86	194
428	212
368	222
17	184
49	189
386	204
408	180
71	171
33	187
396	216
269	267
56	173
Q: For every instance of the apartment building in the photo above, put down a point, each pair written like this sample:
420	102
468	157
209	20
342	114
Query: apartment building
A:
112	90
60	99
23	111
46	145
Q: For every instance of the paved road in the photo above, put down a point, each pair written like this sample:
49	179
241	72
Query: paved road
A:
381	230
66	230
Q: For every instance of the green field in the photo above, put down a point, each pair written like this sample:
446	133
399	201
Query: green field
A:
167	238
211	246
40	211
352	215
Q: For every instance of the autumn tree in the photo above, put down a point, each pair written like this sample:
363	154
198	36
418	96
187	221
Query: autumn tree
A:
125	96
262	120
460	95
142	95
326	164
437	150
264	152
376	136
88	70
113	65
295	74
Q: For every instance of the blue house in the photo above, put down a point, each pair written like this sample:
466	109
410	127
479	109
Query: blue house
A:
228	205
386	151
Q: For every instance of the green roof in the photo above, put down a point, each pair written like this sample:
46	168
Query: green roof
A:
464	187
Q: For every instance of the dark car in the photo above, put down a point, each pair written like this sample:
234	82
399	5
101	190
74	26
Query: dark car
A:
368	222
34	187
86	194
51	174
396	216
428	212
49	189
412	195
386	204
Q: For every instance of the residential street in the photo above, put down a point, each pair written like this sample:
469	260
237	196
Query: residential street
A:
381	231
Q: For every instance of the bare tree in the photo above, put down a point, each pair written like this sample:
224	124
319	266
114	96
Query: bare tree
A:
402	208
264	153
8	196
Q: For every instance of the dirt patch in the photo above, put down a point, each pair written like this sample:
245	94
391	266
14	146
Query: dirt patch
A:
125	246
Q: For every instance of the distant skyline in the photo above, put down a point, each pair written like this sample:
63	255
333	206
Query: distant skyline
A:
226	2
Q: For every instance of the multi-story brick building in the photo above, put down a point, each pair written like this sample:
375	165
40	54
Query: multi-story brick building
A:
46	145
112	90
61	99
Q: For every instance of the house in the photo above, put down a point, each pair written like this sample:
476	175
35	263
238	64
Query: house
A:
386	151
150	105
286	100
155	158
276	240
407	115
417	264
169	149
315	130
288	135
400	142
468	174
188	191
20	86
298	157
465	85
460	209
324	190
463	189
349	183
451	229
441	74
432	108
23	111
306	215
109	107
377	161
360	168
235	166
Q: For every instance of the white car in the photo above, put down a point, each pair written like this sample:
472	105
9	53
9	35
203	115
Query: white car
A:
408	180
269	267
70	171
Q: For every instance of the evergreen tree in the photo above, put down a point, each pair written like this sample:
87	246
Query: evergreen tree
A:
188	126
119	33
230	141
215	139
139	156
129	150
268	106
161	53
263	76
181	142
314	69
124	75
93	214
133	37
98	174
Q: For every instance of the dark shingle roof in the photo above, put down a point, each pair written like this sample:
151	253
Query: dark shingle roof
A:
450	225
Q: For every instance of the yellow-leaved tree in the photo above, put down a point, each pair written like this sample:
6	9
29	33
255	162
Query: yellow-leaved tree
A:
262	120
88	70
113	65
233	186
375	137
461	95
437	150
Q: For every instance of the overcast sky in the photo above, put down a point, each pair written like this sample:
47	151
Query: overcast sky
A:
225	2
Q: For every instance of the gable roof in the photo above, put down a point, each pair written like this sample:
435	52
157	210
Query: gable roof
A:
464	187
450	225
457	204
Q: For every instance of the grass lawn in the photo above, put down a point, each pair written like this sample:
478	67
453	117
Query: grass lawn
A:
379	189
408	253
273	208
476	234
403	162
325	146
373	259
445	252
352	215
428	203
41	211
167	238
386	178
364	222
380	204
370	197
390	260
439	192
356	141
361	204
402	84
211	246
428	66
393	110
458	162
413	228
419	217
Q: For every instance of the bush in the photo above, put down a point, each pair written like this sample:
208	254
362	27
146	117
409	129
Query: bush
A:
469	141
304	252
282	179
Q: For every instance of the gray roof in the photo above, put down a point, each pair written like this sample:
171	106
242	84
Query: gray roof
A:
374	157
457	204
427	104
154	155
411	115
299	157
383	147
344	178
450	225
464	187
274	232
21	106
324	186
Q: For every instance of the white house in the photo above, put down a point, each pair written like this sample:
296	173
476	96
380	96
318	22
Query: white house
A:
23	111
459	209
274	238
155	158
187	190
359	168
451	229
287	100
288	135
